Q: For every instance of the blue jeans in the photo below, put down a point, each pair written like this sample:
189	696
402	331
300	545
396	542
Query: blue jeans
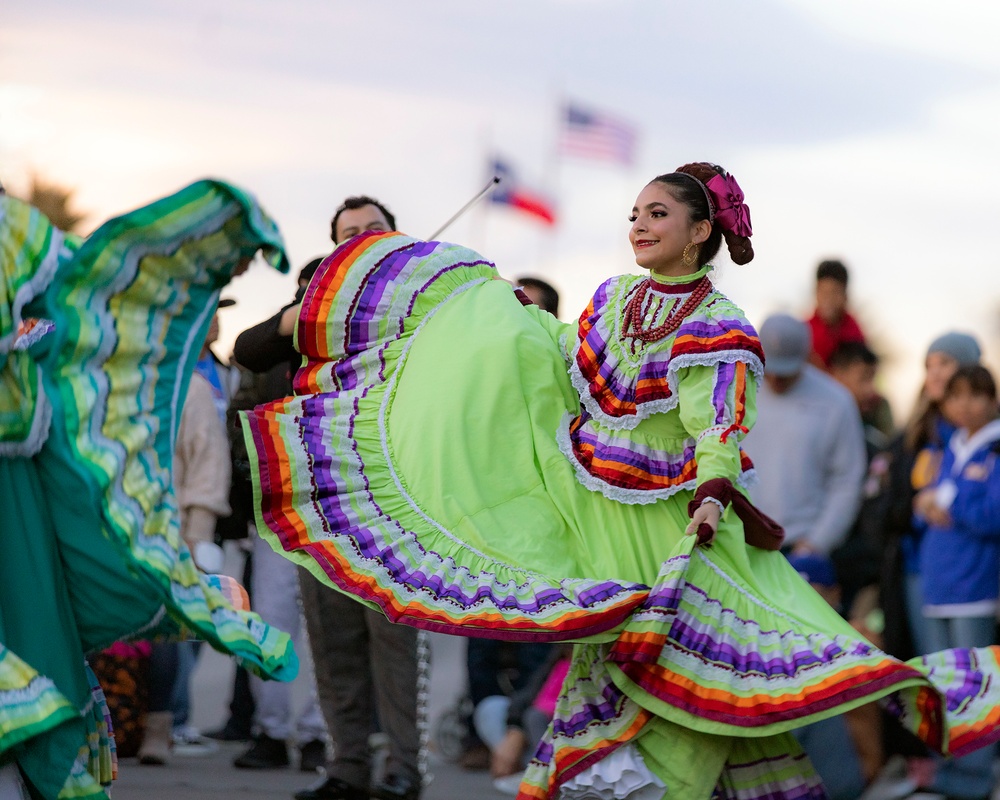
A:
915	614
830	748
970	776
944	633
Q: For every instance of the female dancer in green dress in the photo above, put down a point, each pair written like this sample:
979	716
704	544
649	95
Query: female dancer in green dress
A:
470	465
98	338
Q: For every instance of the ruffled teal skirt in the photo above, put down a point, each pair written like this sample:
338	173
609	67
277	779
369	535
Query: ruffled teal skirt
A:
98	339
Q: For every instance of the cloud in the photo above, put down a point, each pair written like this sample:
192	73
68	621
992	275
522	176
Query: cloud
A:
765	72
854	129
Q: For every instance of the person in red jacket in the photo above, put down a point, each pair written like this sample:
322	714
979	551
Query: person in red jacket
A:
831	324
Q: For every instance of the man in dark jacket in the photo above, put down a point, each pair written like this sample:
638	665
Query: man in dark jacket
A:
364	664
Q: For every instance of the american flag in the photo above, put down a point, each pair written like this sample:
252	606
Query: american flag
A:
593	135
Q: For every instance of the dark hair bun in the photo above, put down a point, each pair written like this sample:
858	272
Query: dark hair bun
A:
740	249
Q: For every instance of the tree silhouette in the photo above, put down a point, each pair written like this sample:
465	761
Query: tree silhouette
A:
55	202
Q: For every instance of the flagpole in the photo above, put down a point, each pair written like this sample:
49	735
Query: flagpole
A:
479	196
481	217
549	243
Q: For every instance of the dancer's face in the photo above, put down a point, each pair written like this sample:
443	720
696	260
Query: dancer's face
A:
353	221
661	228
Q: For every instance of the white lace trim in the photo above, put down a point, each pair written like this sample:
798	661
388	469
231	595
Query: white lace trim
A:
712	359
563	351
154	622
37	284
742	590
38	433
646	410
633	497
715	502
629	422
29	693
622	775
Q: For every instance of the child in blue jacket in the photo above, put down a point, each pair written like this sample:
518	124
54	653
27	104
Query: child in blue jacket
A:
960	552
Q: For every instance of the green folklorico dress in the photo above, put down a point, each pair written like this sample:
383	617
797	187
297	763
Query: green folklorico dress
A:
473	466
98	338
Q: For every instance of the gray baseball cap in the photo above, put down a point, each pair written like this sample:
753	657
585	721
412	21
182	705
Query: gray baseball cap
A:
786	342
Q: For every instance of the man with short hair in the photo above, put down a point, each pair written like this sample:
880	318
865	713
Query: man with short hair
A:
364	664
359	214
807	444
854	366
541	293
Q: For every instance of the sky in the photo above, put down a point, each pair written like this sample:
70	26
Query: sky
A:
863	129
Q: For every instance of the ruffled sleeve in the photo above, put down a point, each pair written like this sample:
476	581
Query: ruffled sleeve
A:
717	408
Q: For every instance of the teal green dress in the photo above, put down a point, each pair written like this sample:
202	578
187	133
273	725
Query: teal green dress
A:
469	465
98	338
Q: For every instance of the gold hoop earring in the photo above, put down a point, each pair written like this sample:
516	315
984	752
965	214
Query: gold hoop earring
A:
688	258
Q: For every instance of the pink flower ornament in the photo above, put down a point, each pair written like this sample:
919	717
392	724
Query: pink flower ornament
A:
731	212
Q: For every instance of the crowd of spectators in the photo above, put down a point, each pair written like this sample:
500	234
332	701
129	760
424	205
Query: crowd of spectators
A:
898	528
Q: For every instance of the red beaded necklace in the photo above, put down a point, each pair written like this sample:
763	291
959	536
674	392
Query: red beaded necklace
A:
632	316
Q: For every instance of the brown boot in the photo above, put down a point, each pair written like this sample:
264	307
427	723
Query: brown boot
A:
156	742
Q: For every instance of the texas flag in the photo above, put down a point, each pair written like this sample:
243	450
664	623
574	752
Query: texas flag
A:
512	193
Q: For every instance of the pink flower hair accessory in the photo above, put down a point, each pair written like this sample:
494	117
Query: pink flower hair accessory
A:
731	212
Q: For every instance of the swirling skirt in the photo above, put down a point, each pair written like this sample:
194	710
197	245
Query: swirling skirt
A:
98	338
417	468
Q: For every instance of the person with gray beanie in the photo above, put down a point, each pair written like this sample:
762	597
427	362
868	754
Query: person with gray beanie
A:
914	456
962	347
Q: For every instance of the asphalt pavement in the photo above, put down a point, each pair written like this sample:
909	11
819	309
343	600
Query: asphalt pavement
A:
212	777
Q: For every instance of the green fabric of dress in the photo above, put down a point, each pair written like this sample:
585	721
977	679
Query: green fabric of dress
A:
469	465
97	344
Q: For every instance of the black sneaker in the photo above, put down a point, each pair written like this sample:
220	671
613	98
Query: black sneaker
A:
266	753
230	733
331	789
396	787
312	756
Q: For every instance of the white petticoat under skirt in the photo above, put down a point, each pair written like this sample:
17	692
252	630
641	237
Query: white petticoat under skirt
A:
623	775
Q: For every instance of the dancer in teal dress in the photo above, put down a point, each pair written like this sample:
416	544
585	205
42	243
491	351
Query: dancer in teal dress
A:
470	465
98	338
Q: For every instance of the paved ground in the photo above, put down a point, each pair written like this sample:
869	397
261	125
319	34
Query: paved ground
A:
213	777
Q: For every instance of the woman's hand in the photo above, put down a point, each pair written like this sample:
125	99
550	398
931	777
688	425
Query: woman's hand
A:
925	505
923	502
704	523
938	517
